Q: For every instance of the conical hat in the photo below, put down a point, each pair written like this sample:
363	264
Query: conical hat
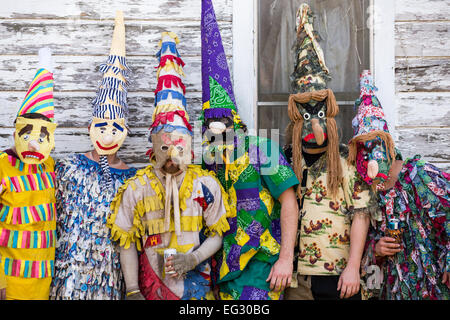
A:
170	102
218	96
39	97
370	115
310	72
111	99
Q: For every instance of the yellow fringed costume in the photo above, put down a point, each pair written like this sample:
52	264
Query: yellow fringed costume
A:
139	216
27	227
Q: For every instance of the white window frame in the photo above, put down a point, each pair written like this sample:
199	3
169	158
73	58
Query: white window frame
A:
245	44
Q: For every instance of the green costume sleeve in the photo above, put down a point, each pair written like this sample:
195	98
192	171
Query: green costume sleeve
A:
276	171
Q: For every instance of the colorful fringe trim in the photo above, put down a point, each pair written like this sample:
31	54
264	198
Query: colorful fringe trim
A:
27	239
25	215
30	182
24	167
157	202
28	269
168	81
113	89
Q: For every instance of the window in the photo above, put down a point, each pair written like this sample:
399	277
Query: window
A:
344	38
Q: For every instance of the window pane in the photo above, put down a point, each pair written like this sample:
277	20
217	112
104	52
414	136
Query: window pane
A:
345	40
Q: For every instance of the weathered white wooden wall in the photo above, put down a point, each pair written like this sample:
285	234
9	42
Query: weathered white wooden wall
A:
422	35
79	33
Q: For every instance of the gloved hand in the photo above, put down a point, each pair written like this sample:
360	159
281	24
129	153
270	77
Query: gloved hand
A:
183	263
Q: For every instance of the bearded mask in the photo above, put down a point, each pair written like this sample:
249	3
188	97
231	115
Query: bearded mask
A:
34	139
107	136
172	146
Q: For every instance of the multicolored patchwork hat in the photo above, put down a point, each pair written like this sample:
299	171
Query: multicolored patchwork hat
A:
370	115
170	102
39	97
111	99
310	72
218	96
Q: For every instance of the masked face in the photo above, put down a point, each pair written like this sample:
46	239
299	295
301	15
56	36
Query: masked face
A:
172	151
219	131
34	139
314	132
372	161
107	136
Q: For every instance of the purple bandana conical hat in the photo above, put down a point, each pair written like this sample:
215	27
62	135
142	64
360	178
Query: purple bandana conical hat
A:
218	97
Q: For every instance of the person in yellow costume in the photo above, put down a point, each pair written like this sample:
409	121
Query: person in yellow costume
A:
27	193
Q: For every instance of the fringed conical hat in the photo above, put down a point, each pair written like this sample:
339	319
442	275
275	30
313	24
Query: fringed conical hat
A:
111	99
170	102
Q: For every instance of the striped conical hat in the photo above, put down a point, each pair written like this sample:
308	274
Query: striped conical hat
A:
170	102
111	99
39	98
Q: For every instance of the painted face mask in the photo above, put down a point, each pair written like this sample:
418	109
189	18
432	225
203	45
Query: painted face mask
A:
174	147
34	140
314	132
107	136
372	162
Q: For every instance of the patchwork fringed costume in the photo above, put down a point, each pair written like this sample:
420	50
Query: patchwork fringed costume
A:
254	173
419	196
27	194
157	210
330	193
87	263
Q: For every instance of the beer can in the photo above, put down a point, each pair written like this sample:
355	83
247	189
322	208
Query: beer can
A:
167	254
393	223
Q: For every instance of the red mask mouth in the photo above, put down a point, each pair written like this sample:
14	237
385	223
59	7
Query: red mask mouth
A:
31	154
311	136
106	148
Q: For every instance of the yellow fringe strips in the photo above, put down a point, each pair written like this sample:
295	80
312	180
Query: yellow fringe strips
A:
170	65
157	202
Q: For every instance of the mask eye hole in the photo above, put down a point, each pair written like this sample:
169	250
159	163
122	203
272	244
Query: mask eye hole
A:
321	114
26	137
306	116
41	140
164	148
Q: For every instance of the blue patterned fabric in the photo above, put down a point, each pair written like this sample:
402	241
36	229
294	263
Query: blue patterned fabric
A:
87	265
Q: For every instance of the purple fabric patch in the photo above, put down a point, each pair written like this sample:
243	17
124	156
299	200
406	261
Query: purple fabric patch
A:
256	156
218	113
233	258
251	293
276	230
214	61
248	199
282	161
254	231
233	226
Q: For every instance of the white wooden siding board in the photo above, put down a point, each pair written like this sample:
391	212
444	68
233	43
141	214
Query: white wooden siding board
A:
422	74
423	109
80	73
407	10
432	143
85	37
429	39
73	109
105	9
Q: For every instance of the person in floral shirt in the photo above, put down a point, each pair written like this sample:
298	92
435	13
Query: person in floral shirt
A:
334	206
